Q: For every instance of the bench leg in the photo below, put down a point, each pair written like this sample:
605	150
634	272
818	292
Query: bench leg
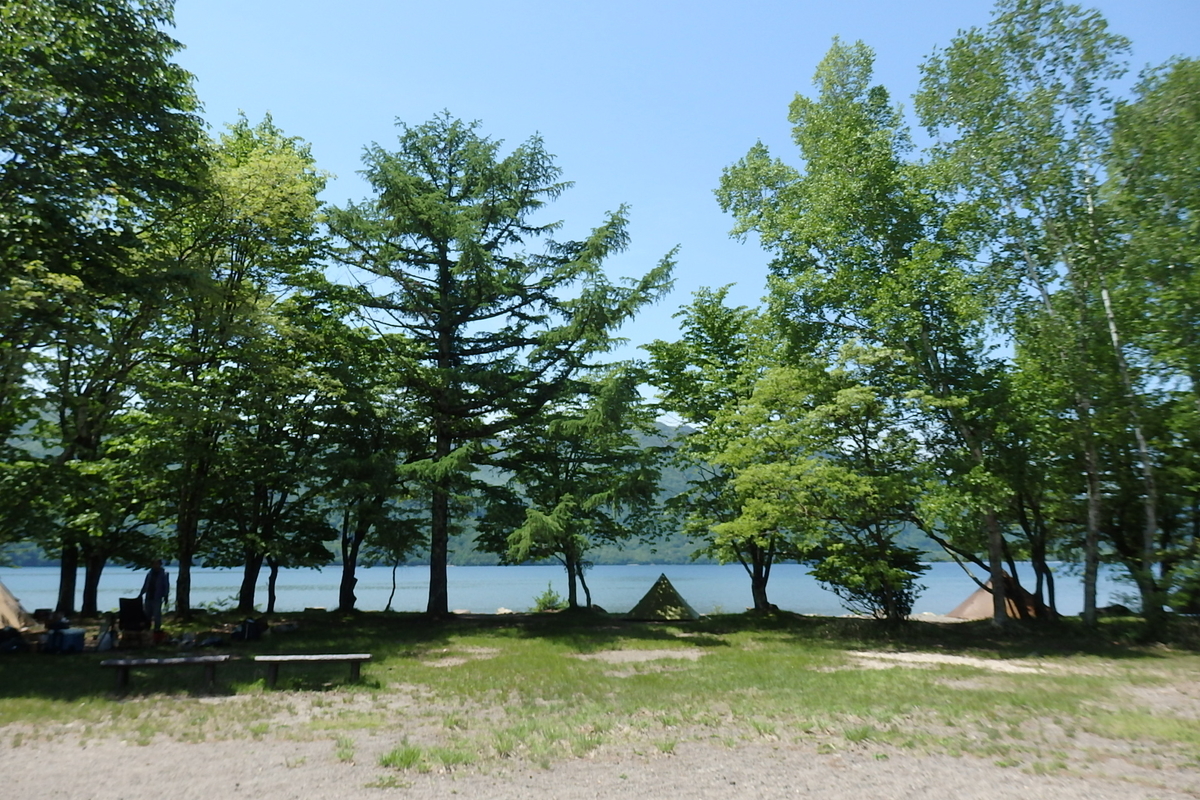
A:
210	675
272	674
354	671
122	679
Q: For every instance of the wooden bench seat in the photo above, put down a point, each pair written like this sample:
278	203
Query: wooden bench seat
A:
272	661
123	665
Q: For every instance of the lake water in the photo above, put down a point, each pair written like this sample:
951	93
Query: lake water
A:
483	590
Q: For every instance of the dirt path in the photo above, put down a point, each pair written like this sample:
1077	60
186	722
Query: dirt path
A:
270	769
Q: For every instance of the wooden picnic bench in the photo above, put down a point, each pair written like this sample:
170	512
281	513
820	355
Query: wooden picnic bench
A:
123	665
355	660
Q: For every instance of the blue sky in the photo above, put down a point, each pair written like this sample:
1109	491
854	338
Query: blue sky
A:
643	103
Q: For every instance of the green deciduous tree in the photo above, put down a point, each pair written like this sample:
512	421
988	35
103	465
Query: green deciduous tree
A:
582	476
97	126
705	374
446	245
1152	162
864	249
1021	107
237	249
823	461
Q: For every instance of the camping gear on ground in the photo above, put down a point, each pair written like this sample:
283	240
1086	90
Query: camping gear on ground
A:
11	640
662	602
251	630
134	624
63	640
133	615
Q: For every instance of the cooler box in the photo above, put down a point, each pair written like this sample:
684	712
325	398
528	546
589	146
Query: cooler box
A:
67	640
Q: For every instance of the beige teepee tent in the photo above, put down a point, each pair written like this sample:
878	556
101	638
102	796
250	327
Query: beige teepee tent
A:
979	604
11	611
662	602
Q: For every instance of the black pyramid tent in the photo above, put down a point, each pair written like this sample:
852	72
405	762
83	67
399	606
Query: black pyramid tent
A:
662	602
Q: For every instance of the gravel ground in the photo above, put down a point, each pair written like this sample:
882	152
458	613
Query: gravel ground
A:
272	769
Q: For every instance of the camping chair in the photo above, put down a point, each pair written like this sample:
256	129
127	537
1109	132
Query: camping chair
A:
133	615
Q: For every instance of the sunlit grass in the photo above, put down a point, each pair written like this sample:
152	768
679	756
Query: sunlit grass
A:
543	689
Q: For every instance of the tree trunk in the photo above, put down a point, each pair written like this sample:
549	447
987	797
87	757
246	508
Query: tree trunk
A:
184	577
587	593
439	541
352	539
1091	542
67	576
250	572
996	568
760	572
1152	603
93	564
392	594
572	566
272	579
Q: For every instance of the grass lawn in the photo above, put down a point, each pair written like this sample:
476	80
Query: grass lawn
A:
541	688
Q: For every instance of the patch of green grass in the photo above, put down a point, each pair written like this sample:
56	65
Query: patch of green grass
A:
534	699
344	749
451	757
860	733
763	728
1139	725
404	757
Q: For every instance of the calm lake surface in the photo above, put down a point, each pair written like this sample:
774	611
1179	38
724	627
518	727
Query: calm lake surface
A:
484	590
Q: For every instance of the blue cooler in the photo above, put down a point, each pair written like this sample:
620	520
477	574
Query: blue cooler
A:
67	640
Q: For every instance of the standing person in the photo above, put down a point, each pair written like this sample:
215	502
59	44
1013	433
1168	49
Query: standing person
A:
155	590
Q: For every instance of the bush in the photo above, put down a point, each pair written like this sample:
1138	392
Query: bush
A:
878	580
549	600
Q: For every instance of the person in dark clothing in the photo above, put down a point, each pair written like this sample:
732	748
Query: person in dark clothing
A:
155	590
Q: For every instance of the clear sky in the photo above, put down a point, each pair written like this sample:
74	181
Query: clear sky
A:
641	102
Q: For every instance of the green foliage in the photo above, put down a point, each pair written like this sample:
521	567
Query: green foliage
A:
404	757
498	331
549	600
875	578
80	86
584	473
706	373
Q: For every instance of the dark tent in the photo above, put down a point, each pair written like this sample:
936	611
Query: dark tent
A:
662	602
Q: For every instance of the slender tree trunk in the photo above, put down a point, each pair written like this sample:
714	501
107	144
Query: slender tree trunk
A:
183	578
572	566
93	566
392	594
439	540
187	534
1151	600
67	575
1091	544
250	573
272	579
996	568
360	511
587	593
759	567
439	527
